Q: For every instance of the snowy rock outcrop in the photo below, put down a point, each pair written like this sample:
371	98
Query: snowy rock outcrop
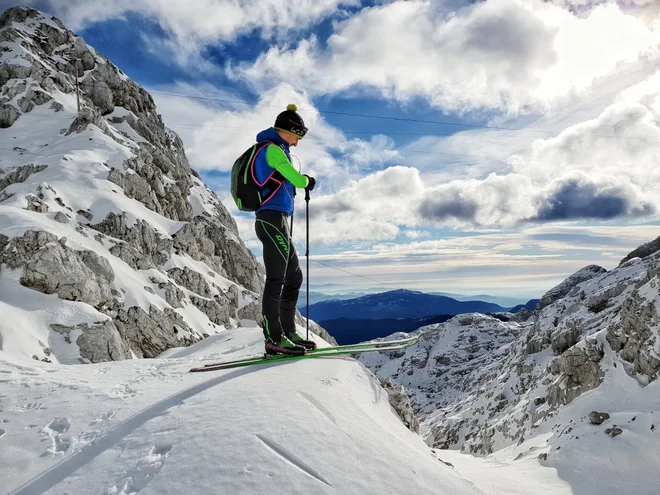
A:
479	384
101	208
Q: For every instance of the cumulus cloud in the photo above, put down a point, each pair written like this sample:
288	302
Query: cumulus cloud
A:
473	58
623	142
579	198
606	168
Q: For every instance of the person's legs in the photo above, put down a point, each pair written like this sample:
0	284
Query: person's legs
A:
292	281
289	299
270	228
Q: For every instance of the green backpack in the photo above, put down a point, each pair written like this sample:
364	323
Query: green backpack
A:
245	189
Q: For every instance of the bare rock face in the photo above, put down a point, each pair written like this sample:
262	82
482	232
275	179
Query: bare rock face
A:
50	267
76	276
191	280
580	371
20	174
596	418
98	342
86	117
165	217
8	115
635	335
565	287
150	334
400	402
643	251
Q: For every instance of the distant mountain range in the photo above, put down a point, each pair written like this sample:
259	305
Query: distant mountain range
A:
396	304
316	296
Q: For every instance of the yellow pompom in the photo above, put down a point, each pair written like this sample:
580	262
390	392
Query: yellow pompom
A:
292	107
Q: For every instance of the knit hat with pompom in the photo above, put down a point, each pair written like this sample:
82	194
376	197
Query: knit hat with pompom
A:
290	121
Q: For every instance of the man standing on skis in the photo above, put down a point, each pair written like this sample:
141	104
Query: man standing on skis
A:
283	274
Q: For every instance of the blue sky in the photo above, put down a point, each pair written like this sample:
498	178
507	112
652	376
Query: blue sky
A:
539	154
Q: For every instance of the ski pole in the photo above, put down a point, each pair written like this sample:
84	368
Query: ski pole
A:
307	253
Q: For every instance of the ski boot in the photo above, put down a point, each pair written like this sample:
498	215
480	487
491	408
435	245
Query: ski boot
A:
298	340
284	346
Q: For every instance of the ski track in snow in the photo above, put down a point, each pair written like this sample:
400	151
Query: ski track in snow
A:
317	405
290	458
68	466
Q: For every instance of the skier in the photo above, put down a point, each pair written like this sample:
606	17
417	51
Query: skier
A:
283	274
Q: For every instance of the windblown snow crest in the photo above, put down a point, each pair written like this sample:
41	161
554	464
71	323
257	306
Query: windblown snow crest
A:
101	212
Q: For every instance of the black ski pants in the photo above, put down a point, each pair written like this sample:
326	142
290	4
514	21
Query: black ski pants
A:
283	274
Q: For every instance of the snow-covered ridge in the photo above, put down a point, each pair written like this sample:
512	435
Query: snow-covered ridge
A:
489	387
322	426
104	227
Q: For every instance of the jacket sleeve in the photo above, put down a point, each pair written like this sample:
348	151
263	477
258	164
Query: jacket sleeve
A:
277	159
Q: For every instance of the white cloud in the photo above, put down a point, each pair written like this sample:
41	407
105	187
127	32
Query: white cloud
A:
623	142
604	169
189	26
205	19
500	54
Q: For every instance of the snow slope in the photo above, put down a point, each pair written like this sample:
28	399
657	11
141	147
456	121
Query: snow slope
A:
149	426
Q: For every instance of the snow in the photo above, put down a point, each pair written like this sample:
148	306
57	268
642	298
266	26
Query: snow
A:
75	180
314	426
33	312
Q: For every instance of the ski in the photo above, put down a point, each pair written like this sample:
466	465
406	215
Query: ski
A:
388	343
317	353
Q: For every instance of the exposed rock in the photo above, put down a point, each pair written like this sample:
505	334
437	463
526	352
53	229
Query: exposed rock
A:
580	371
35	204
86	214
61	217
221	249
400	402
98	91
73	275
20	174
613	432
86	117
597	418
97	343
191	280
565	287
643	251
635	335
217	313
148	335
33	97
132	256
145	241
8	115
252	311
173	295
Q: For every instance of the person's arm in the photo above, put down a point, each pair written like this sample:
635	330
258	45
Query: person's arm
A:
278	160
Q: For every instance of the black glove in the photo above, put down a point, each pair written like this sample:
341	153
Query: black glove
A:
311	182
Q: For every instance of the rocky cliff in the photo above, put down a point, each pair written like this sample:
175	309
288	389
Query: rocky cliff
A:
101	212
584	363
